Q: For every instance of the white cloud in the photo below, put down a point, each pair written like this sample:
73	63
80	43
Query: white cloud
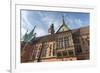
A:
79	22
57	25
43	22
48	20
69	20
23	31
24	20
25	24
39	32
40	14
74	22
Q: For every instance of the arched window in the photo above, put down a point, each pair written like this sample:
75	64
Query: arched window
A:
44	50
50	49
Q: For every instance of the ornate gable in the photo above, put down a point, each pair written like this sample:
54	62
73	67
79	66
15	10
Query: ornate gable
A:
63	27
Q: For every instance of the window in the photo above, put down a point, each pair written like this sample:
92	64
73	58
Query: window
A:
53	45
78	49
50	49
70	41
61	43
44	50
70	52
66	42
57	43
38	53
87	40
54	50
34	52
59	54
65	53
76	39
32	55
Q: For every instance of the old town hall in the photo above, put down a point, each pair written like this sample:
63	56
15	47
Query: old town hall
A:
63	45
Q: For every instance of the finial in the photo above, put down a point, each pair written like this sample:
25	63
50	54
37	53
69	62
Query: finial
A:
63	22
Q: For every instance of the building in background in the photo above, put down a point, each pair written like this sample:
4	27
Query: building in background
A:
63	45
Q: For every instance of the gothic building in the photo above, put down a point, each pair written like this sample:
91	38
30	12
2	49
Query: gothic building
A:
63	45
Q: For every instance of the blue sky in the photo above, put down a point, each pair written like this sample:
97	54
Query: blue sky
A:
43	20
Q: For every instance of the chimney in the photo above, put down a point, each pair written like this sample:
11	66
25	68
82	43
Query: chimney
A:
51	29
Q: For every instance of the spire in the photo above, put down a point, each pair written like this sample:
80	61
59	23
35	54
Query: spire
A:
63	27
32	30
28	37
32	35
63	22
25	37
